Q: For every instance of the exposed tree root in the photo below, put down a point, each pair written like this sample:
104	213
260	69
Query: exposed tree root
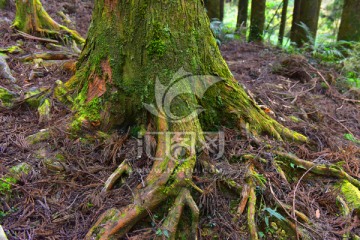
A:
28	36
49	56
168	177
124	168
5	70
245	197
251	211
172	220
321	169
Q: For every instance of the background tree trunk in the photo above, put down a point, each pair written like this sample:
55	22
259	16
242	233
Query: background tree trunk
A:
3	4
257	20
215	9
283	22
32	18
306	12
242	14
350	21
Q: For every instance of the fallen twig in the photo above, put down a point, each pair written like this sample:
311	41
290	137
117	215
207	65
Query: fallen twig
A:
25	35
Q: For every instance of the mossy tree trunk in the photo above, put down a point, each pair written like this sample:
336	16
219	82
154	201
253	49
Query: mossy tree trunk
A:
32	18
215	9
257	20
130	45
350	21
283	22
242	14
306	13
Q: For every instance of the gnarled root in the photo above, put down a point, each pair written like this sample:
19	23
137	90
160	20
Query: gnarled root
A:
171	222
321	169
124	168
166	178
251	212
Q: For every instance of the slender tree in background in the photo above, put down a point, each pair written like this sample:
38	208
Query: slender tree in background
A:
350	21
215	9
32	18
283	22
257	20
3	3
132	52
242	14
305	21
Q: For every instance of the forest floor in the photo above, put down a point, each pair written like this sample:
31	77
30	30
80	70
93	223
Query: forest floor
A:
63	202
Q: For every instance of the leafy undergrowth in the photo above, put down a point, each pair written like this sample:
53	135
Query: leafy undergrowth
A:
60	197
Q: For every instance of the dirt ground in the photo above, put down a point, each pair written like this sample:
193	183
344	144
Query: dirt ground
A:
64	203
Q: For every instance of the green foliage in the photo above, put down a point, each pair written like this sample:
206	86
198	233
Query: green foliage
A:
5	98
351	138
221	32
340	53
271	228
164	233
5	185
3	214
274	213
324	51
351	65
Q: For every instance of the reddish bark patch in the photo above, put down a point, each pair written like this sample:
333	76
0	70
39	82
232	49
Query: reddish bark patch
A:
111	4
97	88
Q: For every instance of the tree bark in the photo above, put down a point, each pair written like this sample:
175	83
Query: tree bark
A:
306	12
215	9
257	20
32	18
242	14
283	22
350	21
133	52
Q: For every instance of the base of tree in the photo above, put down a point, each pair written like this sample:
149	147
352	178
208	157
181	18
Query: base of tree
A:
32	18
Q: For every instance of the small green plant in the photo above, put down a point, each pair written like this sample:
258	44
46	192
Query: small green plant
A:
89	204
164	233
3	214
351	138
332	52
5	185
221	32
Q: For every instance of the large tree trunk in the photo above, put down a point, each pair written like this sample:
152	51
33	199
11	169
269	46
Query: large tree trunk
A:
283	22
257	20
141	52
242	14
32	18
350	21
305	22
215	9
